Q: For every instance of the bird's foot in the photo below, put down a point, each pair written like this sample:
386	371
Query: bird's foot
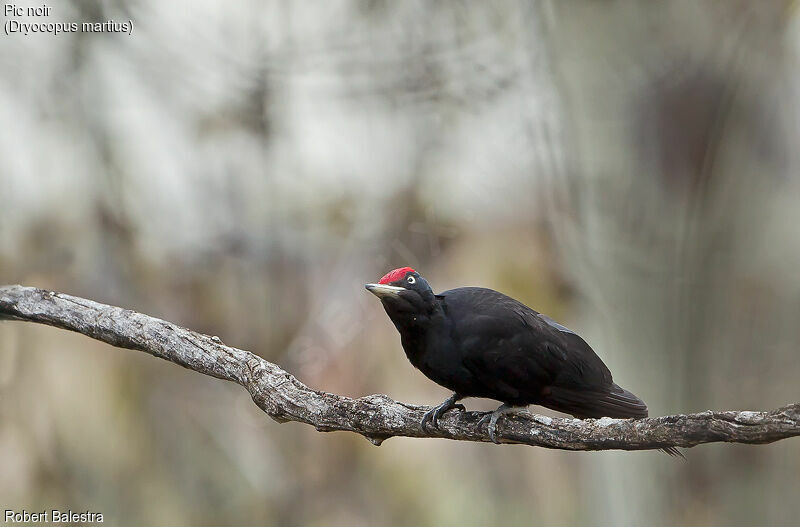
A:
432	416
493	417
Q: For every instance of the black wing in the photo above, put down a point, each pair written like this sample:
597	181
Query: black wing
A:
515	353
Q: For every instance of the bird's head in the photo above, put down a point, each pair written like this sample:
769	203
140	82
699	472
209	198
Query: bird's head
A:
403	291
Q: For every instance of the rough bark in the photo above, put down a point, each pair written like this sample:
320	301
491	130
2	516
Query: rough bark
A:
378	417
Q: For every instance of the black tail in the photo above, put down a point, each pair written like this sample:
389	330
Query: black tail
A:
616	402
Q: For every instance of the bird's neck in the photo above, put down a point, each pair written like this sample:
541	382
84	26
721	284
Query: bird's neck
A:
417	318
416	328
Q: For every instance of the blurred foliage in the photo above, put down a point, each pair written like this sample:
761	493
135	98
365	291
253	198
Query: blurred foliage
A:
244	168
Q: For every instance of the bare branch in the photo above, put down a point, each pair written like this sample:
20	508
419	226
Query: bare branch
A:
378	417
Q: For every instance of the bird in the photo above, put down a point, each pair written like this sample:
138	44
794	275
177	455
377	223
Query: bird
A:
478	342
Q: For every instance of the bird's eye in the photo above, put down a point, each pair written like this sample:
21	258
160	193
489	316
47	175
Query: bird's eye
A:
411	279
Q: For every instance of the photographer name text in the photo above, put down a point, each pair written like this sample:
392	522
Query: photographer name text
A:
52	516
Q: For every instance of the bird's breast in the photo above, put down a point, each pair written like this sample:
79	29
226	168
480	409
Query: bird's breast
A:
436	355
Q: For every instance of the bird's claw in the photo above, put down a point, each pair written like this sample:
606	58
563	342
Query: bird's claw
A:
432	416
492	426
429	417
493	417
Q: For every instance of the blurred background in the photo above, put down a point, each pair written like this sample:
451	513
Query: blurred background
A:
243	168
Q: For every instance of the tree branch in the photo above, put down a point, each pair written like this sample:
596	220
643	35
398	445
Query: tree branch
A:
378	417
